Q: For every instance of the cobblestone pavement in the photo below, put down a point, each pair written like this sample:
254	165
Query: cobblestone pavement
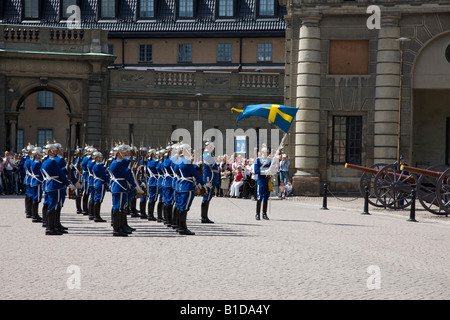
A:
301	253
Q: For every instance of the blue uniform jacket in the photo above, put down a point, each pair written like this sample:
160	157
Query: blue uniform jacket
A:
262	179
55	178
167	167
89	166
210	171
188	176
28	170
121	177
100	174
36	175
152	172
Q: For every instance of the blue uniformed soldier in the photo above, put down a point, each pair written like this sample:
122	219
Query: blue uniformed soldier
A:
79	175
101	181
28	189
91	191
160	184
262	166
211	179
152	186
85	186
55	186
36	183
167	167
189	179
141	176
121	179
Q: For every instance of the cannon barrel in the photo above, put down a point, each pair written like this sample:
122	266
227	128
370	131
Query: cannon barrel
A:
425	172
361	168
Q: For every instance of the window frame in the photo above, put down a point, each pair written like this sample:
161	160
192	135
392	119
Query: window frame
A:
180	46
39	10
138	10
233	9
349	157
146	45
274	7
266	45
225	51
45	138
100	11
51	105
194	7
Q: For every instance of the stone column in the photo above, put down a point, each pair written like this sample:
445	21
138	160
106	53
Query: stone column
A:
306	180
12	134
94	121
387	90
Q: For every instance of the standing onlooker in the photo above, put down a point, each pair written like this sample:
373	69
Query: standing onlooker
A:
225	174
2	183
9	167
284	169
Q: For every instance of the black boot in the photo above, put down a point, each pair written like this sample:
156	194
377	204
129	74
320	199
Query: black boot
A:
58	224
151	209
51	229
125	226
85	204
265	217
159	210
183	225
204	212
78	204
28	207
44	215
169	209
258	208
134	212
91	210
117	230
97	217
175	217
35	212
142	205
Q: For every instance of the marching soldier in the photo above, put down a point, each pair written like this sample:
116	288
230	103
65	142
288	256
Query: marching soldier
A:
101	180
79	175
262	166
189	179
160	185
36	183
84	163
152	189
91	191
121	178
211	179
56	183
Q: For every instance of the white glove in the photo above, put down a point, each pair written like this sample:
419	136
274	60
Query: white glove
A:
208	184
72	187
139	190
78	185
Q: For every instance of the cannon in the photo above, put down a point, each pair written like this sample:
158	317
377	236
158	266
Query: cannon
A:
433	187
389	186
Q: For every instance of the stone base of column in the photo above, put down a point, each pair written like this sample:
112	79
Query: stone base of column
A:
308	186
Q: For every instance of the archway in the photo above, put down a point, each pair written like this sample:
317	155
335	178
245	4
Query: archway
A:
431	103
43	116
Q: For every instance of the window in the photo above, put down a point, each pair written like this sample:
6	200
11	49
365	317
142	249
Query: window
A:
185	52
45	100
146	9
264	52
107	9
66	4
226	8
266	7
145	53
44	135
110	48
31	9
186	9
347	139
349	57
224	52
19	145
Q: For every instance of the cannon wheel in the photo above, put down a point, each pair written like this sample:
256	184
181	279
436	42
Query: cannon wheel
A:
367	179
443	192
391	187
427	192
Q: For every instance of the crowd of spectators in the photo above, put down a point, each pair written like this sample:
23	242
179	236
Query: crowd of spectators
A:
12	173
238	178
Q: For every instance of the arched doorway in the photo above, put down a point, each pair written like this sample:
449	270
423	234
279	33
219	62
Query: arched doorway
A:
43	117
431	103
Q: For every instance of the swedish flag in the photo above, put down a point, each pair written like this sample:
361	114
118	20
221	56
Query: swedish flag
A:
281	116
